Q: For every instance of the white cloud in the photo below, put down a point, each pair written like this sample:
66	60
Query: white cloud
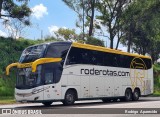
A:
53	29
39	11
3	34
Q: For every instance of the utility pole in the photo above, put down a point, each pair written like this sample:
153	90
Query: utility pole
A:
41	34
83	18
106	43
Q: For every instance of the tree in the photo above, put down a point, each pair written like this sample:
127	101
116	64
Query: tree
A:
141	27
77	6
90	6
94	41
66	34
85	10
15	28
110	17
9	9
48	38
131	21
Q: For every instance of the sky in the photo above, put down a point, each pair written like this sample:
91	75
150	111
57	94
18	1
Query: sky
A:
48	16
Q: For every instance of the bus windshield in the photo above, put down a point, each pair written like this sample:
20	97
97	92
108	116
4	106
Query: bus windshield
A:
47	73
27	79
32	53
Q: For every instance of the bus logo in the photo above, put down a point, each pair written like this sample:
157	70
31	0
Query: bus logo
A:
138	73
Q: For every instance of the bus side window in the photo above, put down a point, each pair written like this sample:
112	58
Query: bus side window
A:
48	77
115	61
148	63
63	56
107	59
123	61
85	54
74	56
97	58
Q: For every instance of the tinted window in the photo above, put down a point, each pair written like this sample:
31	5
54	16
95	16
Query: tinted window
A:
125	61
108	59
57	50
85	56
116	60
97	58
148	63
74	56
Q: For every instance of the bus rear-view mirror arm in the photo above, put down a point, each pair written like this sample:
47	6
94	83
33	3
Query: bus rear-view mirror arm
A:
43	61
10	66
33	64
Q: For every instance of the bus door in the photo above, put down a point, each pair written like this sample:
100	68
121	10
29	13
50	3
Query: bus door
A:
52	88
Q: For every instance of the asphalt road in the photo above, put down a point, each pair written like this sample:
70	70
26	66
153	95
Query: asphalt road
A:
93	108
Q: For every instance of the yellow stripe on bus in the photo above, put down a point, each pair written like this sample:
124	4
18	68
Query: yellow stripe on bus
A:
10	66
42	61
103	49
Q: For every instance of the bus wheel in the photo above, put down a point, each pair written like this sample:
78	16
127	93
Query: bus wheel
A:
69	98
47	103
136	95
128	95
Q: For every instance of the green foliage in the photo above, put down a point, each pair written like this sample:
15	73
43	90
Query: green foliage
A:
110	14
70	35
50	39
13	10
94	41
141	27
66	34
85	10
156	69
10	51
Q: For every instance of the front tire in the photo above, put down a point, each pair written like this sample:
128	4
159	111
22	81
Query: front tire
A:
69	98
47	103
128	95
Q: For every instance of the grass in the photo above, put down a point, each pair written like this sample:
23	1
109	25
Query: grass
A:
7	100
156	68
156	94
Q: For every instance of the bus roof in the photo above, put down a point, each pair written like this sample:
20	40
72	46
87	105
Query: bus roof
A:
49	43
97	48
104	49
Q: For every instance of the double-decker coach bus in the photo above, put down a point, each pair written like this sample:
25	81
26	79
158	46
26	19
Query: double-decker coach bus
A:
68	71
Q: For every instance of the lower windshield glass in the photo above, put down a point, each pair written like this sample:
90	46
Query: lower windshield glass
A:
27	79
